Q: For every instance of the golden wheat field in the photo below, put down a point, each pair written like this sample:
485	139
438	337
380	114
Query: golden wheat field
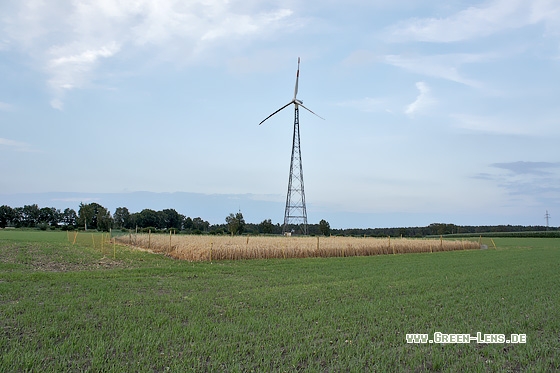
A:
209	248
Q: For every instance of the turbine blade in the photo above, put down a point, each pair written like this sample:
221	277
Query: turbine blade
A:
311	111
283	107
297	78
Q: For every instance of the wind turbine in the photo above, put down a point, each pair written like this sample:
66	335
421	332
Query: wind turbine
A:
295	214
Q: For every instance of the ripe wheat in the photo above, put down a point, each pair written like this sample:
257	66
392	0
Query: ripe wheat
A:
209	248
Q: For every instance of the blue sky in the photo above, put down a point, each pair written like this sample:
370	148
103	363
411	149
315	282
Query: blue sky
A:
435	111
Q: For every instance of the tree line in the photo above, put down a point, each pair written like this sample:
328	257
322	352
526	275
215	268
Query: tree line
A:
439	229
93	216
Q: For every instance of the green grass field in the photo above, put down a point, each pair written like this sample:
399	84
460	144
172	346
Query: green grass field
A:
71	308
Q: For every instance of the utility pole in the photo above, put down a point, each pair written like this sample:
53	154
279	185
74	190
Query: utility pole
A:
546	217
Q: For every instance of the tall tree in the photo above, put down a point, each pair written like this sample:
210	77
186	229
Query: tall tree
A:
266	226
188	223
85	215
236	223
6	215
324	227
200	225
121	218
88	215
171	219
148	218
69	217
104	219
17	217
30	215
50	216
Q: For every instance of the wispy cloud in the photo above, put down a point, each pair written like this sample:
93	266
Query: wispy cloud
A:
4	44
529	168
244	24
78	199
535	183
476	21
362	57
4	106
423	100
439	66
502	125
70	67
17	146
489	124
262	60
70	42
483	20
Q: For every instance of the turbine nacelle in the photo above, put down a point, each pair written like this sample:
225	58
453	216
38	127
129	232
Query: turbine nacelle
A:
294	101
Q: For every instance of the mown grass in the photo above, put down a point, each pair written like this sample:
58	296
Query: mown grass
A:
146	312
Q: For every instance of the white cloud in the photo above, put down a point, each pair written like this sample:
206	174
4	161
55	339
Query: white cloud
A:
57	104
423	101
16	145
4	44
69	41
78	199
439	66
361	57
244	24
529	168
490	125
86	57
70	66
477	21
4	106
261	60
530	183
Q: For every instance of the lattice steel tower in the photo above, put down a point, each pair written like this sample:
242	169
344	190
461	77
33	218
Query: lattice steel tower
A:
295	214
